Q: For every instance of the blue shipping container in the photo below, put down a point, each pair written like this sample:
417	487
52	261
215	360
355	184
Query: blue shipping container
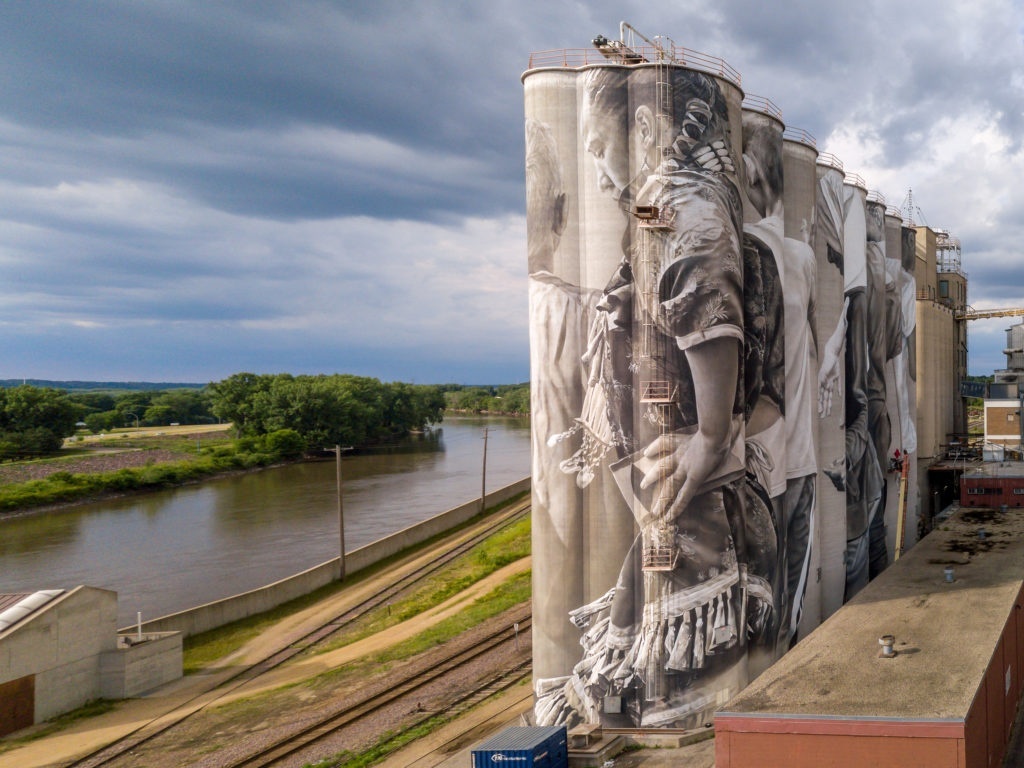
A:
521	747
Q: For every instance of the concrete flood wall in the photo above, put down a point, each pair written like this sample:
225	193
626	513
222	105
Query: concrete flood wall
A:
221	612
137	666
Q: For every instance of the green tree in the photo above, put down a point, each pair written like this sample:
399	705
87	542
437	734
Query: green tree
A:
157	416
92	402
285	443
430	405
35	420
184	406
234	400
324	410
103	422
516	400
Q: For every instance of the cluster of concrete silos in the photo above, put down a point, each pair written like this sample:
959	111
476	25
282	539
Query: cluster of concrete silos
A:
720	378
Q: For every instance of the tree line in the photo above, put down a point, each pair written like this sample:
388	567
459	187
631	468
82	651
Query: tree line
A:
34	421
317	411
511	399
339	409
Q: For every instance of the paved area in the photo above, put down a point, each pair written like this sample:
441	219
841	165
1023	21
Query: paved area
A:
945	633
452	745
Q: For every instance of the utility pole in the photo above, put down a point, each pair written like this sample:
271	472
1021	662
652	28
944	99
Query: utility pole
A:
483	478
341	512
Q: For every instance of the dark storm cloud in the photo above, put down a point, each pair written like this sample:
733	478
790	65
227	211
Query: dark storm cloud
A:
316	186
99	79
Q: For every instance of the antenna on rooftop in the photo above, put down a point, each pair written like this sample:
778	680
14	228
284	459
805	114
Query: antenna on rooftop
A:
912	215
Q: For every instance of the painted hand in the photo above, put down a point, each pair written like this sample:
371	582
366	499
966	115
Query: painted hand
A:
682	467
828	381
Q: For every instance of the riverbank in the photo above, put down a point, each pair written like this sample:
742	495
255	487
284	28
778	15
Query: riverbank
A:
129	463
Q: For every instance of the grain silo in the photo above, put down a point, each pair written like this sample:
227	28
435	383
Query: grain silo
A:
764	364
662	567
900	312
558	335
830	321
864	477
715	331
803	547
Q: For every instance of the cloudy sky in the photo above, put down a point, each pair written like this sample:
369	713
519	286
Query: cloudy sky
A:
193	189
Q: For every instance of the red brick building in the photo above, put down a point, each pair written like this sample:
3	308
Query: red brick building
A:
993	485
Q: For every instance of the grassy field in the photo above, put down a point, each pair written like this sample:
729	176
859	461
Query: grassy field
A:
125	461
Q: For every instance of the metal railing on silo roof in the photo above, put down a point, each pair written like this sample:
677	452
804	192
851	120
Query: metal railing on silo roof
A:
855	180
574	58
829	160
800	136
763	105
874	196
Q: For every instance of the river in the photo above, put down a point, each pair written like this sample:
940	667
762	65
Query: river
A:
170	550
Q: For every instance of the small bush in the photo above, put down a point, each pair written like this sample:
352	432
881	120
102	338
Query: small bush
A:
285	443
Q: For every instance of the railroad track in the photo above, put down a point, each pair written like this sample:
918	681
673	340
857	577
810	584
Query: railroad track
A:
310	735
203	700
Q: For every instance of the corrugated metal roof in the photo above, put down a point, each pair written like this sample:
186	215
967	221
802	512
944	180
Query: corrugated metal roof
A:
25	605
12	598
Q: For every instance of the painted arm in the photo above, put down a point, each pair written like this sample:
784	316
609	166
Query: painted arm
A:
688	463
828	375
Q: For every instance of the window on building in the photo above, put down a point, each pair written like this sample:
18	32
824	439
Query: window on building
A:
1018	491
982	491
943	289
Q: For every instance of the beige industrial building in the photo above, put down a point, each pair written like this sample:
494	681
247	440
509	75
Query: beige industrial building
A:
1004	437
941	354
60	649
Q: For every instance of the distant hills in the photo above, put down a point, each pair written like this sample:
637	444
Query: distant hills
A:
79	386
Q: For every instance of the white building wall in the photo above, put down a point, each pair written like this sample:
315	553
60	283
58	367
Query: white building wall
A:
60	644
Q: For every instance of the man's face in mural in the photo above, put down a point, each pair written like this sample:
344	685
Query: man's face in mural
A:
546	203
604	138
875	223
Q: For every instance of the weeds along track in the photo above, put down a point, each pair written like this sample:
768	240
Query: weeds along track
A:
402	693
445	554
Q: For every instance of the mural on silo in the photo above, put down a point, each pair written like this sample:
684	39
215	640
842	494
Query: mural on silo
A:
863	482
800	276
903	432
905	362
694	326
559	309
832	307
879	425
764	369
663	412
